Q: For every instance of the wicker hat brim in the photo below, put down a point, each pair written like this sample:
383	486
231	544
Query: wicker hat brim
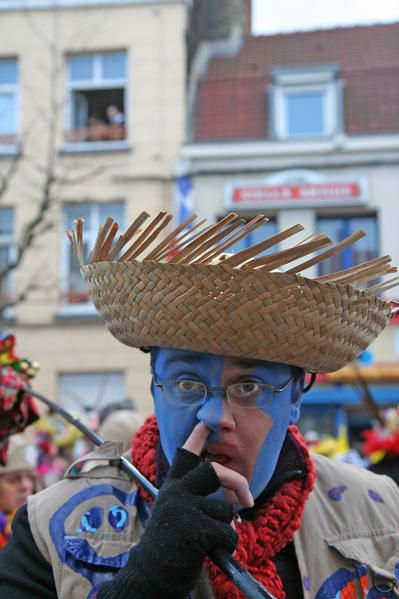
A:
218	309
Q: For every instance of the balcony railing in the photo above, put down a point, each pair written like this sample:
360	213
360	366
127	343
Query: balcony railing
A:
98	132
75	297
8	139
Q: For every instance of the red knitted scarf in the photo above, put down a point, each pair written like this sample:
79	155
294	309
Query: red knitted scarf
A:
259	539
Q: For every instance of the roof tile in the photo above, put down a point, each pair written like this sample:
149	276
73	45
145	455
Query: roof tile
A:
232	98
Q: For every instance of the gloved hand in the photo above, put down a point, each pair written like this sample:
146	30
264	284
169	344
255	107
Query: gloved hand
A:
184	527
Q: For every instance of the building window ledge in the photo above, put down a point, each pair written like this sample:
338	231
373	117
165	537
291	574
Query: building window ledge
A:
96	146
14	5
8	316
9	150
345	144
81	310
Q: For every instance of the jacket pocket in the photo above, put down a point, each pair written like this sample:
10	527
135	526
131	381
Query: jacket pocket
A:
375	557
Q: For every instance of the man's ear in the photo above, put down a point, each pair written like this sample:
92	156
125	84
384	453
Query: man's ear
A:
295	413
297	399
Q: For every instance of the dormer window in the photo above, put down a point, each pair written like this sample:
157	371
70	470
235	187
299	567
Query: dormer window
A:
305	103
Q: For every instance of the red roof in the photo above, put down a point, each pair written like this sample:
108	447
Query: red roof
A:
232	98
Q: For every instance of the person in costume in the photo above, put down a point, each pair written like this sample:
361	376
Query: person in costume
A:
17	410
18	462
230	339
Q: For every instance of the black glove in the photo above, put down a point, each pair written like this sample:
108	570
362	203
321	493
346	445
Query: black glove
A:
184	527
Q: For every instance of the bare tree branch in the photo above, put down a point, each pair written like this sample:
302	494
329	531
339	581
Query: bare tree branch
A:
47	111
89	174
23	294
18	299
30	231
5	179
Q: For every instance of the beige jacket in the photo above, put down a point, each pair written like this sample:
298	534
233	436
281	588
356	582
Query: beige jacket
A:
348	541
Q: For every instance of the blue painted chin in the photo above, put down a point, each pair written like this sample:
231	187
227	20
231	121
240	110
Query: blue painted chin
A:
176	421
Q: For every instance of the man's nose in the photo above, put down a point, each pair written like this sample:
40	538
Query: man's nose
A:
215	412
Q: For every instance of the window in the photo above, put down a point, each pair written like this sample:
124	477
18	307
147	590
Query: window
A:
8	101
83	393
305	104
340	227
6	251
73	287
260	234
304	112
97	97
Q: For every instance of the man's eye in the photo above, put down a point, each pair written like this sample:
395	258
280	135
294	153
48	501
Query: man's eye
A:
245	388
188	387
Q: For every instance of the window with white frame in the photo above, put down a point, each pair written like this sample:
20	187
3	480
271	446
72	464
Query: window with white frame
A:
256	236
8	101
305	103
73	288
6	252
340	227
97	97
86	392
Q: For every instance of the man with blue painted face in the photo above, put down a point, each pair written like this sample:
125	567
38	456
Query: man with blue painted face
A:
245	404
230	341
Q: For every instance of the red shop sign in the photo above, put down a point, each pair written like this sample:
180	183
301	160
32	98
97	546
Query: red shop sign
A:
345	192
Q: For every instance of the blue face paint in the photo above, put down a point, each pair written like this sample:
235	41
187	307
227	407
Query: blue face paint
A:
260	444
176	421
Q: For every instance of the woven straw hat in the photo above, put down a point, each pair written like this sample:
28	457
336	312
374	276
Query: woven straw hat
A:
187	293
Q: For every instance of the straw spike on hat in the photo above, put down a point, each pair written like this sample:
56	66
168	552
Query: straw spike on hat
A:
181	289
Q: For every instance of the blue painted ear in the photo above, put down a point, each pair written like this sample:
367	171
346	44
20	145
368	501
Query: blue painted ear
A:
295	412
297	400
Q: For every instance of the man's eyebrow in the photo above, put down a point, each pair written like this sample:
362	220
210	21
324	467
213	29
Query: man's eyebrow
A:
186	359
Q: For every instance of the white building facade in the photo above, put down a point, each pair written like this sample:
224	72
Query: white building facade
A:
304	128
92	105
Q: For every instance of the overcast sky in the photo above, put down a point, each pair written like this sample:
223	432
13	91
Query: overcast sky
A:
271	16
